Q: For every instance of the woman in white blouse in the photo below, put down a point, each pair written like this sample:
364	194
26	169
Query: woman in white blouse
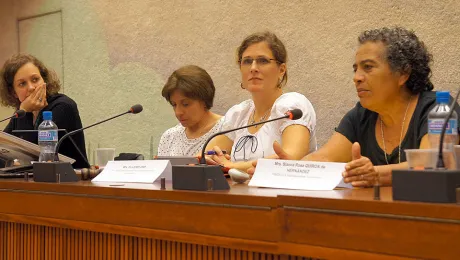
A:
262	62
190	91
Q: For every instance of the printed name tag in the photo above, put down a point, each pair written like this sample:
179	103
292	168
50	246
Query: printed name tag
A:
301	175
137	171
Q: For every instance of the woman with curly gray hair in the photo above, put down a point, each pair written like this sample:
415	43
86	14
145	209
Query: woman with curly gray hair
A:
392	79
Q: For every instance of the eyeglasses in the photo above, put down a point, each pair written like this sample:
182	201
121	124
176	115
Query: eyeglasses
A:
260	61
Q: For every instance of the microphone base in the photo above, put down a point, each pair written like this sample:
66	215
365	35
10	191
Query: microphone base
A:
54	172
198	177
437	185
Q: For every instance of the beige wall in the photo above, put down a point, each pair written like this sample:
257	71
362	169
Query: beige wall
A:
118	53
8	42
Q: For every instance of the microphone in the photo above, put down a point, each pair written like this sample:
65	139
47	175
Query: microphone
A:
291	114
209	177
429	185
65	132
136	109
63	172
133	110
17	114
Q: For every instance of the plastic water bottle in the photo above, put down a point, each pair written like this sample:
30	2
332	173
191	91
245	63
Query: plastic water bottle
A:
47	138
436	119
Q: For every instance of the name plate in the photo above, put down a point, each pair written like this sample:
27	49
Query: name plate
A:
299	175
137	171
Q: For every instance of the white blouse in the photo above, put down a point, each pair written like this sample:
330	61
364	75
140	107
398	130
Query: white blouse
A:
247	146
174	141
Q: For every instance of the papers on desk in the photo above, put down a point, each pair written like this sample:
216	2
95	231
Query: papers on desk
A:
300	175
137	171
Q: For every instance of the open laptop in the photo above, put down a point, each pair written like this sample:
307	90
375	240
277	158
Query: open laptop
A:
14	148
178	160
83	157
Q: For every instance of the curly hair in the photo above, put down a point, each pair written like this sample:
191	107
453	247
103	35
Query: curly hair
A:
405	53
194	82
9	70
274	43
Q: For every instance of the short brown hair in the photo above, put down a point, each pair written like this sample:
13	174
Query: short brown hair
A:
194	82
9	70
274	43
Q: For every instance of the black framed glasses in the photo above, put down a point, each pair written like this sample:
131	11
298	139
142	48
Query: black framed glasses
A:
260	61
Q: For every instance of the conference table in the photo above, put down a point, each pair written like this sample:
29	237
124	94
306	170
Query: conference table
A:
85	220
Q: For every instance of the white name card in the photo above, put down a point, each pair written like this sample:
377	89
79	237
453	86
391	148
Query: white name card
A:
138	171
300	175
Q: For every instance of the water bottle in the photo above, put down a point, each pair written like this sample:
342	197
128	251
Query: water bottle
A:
436	119
47	138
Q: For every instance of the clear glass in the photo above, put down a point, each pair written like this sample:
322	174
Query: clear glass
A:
421	159
104	155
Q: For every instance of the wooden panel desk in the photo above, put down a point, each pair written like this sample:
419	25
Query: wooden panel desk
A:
139	221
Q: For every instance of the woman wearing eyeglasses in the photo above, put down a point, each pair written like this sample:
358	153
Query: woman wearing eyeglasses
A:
262	62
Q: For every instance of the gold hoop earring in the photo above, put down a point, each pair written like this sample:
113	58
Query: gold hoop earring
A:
279	83
241	85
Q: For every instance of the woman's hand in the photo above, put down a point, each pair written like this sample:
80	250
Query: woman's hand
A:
280	154
36	101
220	158
215	159
360	172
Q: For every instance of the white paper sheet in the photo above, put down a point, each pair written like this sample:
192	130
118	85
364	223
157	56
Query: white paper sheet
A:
301	175
138	171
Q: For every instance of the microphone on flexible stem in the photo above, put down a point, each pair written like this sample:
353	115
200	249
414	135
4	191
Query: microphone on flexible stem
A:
63	171
133	110
17	114
210	177
65	132
429	185
291	114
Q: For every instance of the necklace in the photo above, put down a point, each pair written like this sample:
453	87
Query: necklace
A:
253	121
400	137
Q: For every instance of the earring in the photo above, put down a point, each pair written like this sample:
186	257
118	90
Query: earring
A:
279	83
241	85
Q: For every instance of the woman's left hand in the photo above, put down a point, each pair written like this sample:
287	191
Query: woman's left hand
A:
360	172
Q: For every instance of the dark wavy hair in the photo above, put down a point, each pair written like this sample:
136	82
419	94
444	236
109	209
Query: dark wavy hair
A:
405	53
9	70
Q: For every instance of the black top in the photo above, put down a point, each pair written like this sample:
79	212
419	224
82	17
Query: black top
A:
65	116
358	125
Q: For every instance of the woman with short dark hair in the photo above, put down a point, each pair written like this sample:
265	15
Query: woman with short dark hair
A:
190	91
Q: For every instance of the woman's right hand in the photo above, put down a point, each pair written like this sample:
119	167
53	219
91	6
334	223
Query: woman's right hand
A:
220	158
280	154
36	101
215	159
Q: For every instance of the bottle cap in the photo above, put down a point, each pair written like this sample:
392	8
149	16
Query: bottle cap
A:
47	115
442	97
